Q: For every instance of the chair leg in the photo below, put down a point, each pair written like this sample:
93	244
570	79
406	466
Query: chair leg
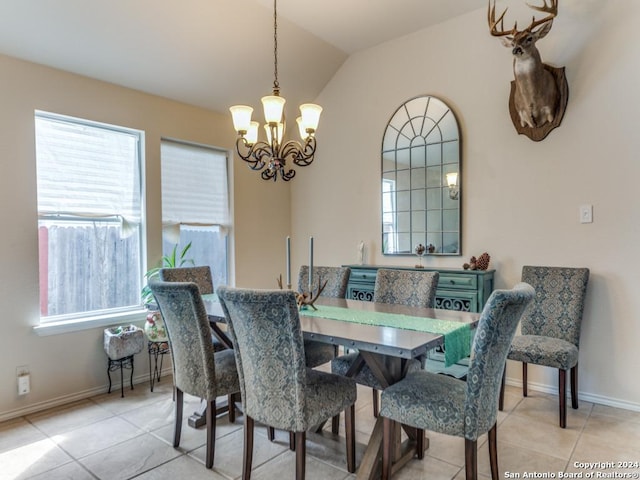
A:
350	433
471	459
301	438
248	447
211	432
335	424
292	441
271	433
562	393
231	400
524	379
387	447
493	451
574	387
501	398
420	443
177	428
376	403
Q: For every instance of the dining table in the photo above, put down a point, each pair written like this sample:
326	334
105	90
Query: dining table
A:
387	337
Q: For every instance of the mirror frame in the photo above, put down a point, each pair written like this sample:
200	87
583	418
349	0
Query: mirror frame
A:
420	145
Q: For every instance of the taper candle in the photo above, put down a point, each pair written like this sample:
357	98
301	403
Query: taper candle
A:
310	264
288	245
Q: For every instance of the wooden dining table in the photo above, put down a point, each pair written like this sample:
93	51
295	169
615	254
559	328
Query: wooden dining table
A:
386	350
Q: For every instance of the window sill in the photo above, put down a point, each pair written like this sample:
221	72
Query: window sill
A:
88	323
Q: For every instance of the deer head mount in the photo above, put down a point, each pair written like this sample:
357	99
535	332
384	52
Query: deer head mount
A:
539	92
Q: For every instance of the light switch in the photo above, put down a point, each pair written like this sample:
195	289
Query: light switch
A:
586	213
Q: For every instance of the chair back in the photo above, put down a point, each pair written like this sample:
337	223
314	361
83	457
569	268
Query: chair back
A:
416	288
557	309
187	325
337	279
496	329
201	276
265	329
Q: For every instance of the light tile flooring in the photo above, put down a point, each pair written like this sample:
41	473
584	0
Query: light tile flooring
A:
108	437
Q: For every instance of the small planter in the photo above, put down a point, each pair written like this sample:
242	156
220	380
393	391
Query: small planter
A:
122	342
154	328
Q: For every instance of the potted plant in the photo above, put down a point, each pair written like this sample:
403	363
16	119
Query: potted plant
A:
168	261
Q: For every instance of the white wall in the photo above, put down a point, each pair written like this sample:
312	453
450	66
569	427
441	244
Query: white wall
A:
520	198
68	366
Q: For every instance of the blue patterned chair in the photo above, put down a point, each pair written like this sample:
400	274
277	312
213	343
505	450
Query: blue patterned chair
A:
198	370
337	278
414	288
277	388
551	328
430	401
201	276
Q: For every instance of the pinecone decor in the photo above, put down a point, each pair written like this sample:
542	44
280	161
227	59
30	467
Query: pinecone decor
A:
483	261
480	263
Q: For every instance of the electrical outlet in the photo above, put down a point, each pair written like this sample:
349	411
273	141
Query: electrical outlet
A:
24	384
24	379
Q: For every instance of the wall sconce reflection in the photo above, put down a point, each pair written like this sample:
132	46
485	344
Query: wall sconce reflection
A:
452	183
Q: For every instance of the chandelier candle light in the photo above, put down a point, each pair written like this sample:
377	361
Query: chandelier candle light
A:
271	156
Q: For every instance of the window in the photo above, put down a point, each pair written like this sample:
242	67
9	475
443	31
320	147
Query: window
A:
89	218
195	204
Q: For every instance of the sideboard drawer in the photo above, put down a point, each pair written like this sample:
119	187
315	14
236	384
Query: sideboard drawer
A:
363	276
453	281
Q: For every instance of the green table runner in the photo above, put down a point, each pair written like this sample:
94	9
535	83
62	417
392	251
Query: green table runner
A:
457	335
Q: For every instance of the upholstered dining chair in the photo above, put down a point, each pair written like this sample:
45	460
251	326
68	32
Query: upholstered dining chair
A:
444	404
414	288
337	278
201	276
198	370
550	328
277	387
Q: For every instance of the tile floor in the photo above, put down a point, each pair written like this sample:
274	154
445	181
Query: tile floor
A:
109	437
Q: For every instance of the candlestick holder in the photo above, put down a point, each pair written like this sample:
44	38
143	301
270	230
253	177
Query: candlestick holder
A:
305	299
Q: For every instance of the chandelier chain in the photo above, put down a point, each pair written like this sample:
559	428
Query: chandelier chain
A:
276	84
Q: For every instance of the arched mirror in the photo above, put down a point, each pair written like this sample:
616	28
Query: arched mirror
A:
421	179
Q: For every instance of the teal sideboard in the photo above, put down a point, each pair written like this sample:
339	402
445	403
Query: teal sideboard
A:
458	289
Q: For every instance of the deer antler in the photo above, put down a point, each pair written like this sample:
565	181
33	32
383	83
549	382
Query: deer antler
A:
305	299
308	299
551	9
493	23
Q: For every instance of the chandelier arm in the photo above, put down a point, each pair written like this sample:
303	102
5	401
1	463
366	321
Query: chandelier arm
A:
269	174
301	155
249	155
286	176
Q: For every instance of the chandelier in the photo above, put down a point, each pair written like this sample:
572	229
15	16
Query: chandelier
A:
272	156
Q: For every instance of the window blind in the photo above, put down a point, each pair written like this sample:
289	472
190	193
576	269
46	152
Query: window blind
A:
194	184
87	171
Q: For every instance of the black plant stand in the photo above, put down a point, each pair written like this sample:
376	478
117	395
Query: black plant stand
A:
120	363
156	349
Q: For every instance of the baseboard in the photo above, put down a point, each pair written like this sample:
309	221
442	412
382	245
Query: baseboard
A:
74	397
587	397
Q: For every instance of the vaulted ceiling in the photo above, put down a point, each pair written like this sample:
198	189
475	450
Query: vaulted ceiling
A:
210	53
